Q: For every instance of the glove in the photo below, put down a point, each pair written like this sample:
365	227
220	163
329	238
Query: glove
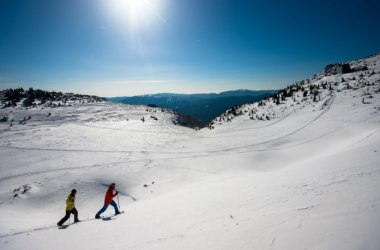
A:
116	193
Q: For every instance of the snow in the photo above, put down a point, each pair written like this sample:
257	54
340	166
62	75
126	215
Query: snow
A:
305	179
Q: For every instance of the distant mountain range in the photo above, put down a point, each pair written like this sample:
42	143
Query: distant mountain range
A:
202	107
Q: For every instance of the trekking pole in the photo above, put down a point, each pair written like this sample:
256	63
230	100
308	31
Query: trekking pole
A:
118	202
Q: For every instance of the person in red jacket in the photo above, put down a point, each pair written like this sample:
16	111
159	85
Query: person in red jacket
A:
108	200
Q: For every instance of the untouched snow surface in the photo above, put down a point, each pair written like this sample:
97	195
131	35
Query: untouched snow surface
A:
308	179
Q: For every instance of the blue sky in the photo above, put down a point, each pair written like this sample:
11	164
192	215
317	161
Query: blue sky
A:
131	47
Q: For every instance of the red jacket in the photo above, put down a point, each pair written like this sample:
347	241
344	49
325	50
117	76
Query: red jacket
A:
109	195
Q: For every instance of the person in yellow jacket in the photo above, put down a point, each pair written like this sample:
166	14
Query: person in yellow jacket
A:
70	208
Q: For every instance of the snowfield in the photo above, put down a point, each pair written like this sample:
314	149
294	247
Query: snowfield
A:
307	178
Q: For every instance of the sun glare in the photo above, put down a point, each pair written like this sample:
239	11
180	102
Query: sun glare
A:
135	13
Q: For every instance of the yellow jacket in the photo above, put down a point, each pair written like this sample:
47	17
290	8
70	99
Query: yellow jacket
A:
70	202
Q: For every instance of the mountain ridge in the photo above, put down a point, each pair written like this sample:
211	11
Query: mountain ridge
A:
203	107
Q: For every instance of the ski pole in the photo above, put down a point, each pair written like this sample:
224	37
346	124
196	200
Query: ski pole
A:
118	202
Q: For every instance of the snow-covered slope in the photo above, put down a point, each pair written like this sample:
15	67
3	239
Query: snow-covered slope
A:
306	178
314	93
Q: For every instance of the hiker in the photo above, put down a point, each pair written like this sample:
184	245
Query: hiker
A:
111	192
70	208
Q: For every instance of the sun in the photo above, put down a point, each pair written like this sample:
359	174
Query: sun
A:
137	14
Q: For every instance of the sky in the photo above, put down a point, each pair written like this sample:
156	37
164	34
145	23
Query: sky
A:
134	47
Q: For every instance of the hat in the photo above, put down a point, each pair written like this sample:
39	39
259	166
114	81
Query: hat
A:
113	184
73	191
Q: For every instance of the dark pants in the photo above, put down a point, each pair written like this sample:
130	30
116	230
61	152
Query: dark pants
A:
67	216
105	207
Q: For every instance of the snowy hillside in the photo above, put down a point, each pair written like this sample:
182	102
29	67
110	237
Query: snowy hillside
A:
36	97
314	93
297	171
